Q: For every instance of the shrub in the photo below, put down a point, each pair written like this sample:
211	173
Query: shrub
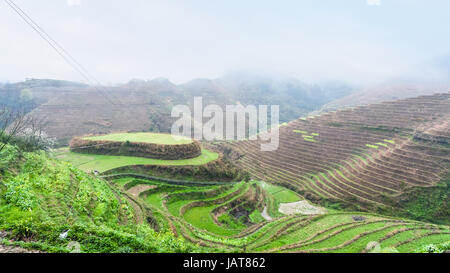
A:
432	248
127	148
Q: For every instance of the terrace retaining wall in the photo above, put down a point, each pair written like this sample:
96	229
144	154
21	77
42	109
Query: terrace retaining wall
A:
147	150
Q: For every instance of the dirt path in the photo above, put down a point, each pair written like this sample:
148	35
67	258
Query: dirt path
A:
138	189
265	215
133	195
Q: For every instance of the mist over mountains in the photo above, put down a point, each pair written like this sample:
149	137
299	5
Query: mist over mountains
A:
72	109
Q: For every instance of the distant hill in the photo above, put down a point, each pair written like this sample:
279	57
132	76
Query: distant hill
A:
385	92
30	94
73	109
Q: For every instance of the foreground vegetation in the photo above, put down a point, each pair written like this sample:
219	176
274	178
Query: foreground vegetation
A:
52	206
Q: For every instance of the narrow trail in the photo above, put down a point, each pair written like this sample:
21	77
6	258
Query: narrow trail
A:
133	196
138	212
266	215
122	218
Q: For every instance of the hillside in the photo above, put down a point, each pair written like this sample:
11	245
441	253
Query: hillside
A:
42	198
372	178
248	217
385	92
390	157
72	109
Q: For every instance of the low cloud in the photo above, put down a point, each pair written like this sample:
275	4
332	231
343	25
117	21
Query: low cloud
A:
181	41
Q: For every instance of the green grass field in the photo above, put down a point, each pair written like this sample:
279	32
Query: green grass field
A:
201	218
277	195
144	138
102	163
280	194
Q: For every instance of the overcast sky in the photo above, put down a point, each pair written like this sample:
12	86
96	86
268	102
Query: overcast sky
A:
350	40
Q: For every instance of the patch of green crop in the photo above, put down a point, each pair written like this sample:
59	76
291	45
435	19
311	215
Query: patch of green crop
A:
300	234
435	248
378	129
280	194
426	204
230	222
344	236
335	124
381	144
121	182
174	207
372	146
201	218
423	242
155	199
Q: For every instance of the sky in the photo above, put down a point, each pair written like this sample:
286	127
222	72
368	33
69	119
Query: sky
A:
356	41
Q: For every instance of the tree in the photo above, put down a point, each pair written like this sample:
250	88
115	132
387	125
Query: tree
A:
16	126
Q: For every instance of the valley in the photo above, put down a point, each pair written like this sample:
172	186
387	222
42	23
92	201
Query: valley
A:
368	179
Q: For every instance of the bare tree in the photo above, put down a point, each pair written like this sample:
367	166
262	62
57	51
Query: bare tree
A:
12	124
34	136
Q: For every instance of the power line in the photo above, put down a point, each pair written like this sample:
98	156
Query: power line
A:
55	42
43	37
67	57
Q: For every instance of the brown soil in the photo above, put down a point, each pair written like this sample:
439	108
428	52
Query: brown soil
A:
136	190
13	249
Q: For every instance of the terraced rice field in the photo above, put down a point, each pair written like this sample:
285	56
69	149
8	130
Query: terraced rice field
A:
103	163
363	155
217	218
